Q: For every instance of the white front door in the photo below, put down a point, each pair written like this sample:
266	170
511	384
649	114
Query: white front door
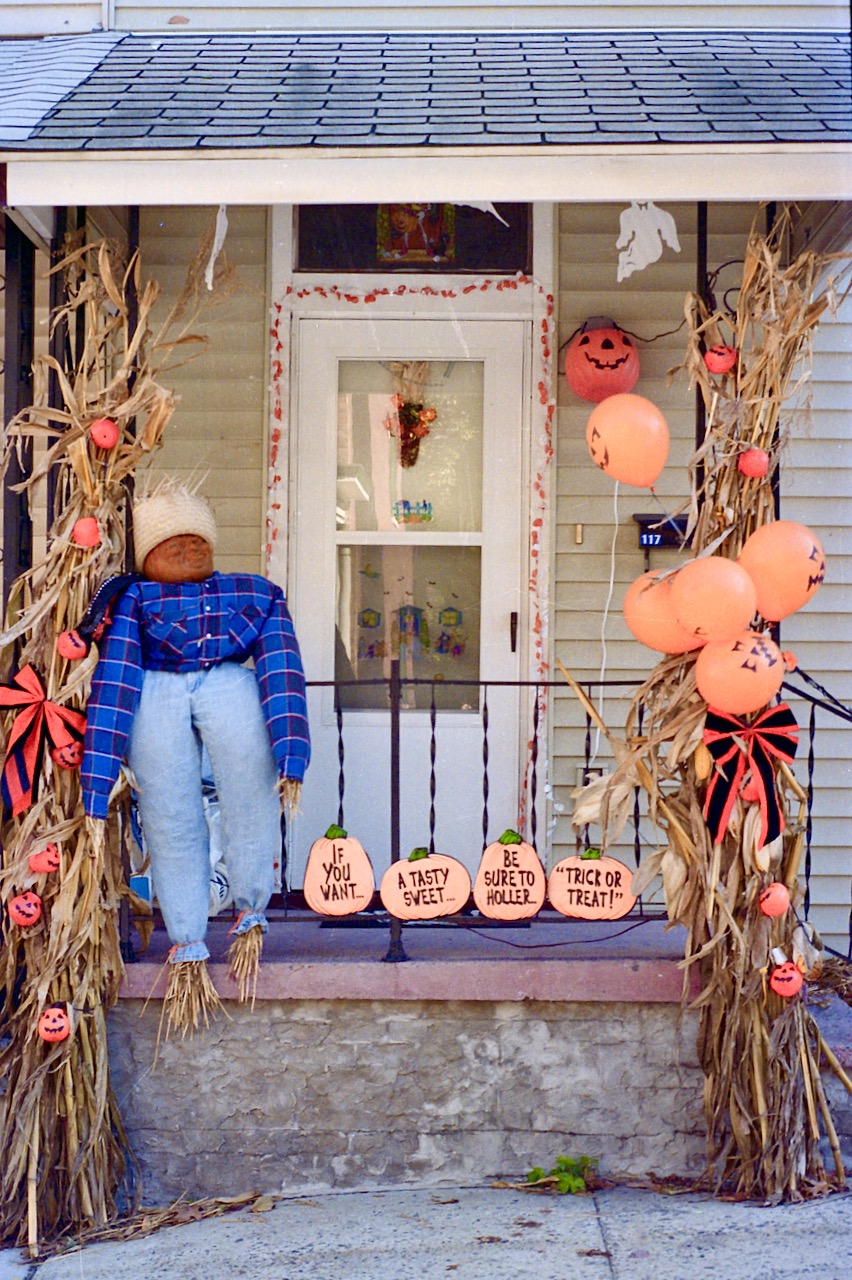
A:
407	523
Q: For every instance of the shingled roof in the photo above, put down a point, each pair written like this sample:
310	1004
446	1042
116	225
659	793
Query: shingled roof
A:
536	88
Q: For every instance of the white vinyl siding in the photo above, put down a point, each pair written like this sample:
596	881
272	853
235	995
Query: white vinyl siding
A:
45	17
217	433
816	490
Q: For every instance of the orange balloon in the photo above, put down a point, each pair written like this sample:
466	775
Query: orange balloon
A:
628	438
741	674
649	613
713	598
787	564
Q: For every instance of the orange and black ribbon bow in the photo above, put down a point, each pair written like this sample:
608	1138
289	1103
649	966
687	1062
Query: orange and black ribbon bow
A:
736	746
37	723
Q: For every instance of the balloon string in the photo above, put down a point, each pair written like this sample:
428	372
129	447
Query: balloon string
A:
668	519
604	620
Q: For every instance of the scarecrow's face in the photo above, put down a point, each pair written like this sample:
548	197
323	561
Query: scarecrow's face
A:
184	558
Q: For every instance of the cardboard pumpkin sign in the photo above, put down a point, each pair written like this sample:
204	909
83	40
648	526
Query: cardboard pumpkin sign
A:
69	756
54	1024
425	886
601	361
510	883
25	909
591	886
339	876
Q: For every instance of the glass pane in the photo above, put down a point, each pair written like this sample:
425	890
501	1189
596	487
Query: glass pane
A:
346	237
409	445
417	603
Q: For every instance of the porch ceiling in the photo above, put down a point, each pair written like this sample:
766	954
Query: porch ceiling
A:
274	116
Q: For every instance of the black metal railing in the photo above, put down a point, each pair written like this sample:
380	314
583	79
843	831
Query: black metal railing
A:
395	683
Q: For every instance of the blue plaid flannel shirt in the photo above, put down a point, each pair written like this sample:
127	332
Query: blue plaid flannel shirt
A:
189	627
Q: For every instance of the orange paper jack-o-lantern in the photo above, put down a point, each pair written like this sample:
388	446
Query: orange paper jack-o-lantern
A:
649	613
786	980
720	359
339	876
774	900
425	886
510	883
105	433
741	674
86	532
713	598
753	463
45	860
628	438
601	361
71	645
786	562
591	886
69	756
25	909
54	1024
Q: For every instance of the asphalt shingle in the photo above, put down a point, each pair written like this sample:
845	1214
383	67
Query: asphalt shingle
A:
281	89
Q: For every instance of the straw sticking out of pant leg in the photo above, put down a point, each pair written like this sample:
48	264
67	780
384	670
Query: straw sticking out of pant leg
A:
190	999
244	960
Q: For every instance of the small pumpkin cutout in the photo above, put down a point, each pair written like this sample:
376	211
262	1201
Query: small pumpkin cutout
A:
105	433
71	645
786	980
510	883
69	756
339	876
425	886
86	532
45	860
774	900
753	463
591	886
601	361
25	909
54	1024
720	359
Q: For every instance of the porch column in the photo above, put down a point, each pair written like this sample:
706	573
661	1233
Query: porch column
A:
17	394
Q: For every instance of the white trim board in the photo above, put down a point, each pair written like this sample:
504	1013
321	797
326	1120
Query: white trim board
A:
727	172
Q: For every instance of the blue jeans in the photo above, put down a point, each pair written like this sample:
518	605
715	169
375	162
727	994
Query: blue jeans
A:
179	714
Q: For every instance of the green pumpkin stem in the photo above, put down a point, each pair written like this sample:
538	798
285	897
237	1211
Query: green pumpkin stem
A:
335	832
590	855
417	854
510	837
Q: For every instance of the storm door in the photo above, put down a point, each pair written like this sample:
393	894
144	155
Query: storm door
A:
408	502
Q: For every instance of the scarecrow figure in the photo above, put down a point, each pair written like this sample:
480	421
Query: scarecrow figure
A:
171	684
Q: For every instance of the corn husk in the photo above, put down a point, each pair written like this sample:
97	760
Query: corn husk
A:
763	1100
67	1162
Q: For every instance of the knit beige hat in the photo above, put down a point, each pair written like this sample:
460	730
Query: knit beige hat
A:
171	509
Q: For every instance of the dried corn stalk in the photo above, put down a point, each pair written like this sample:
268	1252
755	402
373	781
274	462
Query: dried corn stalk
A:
66	1158
763	1098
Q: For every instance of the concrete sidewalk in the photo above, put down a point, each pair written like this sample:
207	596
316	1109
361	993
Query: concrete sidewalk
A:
480	1233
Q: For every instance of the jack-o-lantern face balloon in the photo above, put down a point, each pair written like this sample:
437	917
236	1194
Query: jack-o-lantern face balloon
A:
786	562
739	675
601	361
54	1024
786	980
25	909
628	438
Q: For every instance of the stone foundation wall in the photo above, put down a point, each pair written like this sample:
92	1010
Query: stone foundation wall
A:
299	1095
